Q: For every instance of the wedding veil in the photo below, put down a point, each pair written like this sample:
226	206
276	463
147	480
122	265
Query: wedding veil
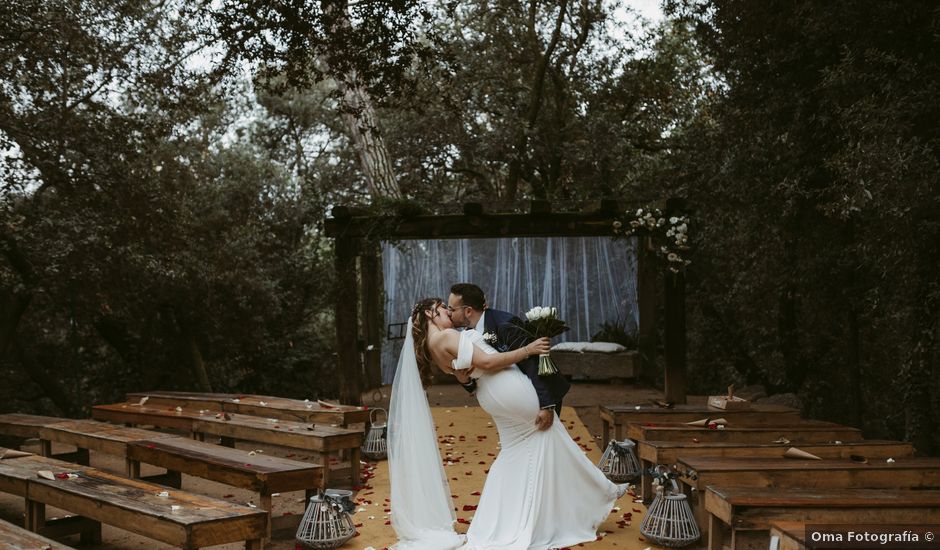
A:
422	509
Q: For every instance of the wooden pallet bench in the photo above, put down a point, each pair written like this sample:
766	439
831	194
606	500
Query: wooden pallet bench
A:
258	405
618	416
13	537
651	453
235	467
265	475
324	442
176	518
807	431
740	517
697	473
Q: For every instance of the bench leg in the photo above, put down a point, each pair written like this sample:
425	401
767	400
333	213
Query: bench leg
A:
715	533
45	447
324	459
354	466
264	500
605	431
132	468
35	515
254	544
227	442
646	482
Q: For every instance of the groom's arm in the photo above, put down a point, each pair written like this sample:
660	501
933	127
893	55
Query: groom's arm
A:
515	338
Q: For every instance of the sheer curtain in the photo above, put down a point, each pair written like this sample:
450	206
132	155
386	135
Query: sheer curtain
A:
591	280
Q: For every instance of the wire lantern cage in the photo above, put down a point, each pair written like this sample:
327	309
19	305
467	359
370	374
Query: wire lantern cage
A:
326	524
668	520
376	443
619	462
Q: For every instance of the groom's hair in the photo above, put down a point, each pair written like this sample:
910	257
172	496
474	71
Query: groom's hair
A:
471	294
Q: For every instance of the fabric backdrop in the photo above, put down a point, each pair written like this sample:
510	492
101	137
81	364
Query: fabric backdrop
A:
591	280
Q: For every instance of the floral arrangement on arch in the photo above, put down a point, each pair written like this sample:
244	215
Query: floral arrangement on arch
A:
670	235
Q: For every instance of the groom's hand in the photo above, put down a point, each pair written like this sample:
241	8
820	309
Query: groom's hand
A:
544	419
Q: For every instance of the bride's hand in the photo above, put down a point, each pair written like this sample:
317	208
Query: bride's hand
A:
538	347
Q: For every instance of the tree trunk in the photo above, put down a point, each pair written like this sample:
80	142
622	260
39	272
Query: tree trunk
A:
520	148
362	125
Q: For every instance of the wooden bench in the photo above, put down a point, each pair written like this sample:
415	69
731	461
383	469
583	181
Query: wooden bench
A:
697	473
13	537
265	475
24	426
176	518
758	414
743	515
238	468
807	431
258	405
651	453
322	441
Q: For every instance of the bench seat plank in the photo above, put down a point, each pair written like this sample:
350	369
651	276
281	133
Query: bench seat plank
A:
259	405
181	519
651	453
758	414
13	537
748	512
805	431
24	426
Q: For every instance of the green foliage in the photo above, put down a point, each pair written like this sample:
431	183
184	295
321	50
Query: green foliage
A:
616	332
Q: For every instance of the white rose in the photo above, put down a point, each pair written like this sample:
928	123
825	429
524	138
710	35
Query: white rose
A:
531	314
682	228
546	311
617	225
554	312
672	257
673	220
639	212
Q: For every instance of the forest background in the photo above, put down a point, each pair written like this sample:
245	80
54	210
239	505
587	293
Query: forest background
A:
167	167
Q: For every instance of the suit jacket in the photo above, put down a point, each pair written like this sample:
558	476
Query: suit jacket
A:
550	389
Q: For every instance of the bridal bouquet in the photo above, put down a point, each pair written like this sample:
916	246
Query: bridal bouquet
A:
544	322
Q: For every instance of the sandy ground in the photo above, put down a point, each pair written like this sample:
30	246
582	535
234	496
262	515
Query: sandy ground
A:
464	430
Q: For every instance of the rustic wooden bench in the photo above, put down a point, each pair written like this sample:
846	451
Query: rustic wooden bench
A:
13	537
758	414
743	515
322	441
174	517
697	473
791	535
813	431
668	453
258	405
265	475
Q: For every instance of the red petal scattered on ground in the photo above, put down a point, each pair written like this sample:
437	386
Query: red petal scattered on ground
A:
475	493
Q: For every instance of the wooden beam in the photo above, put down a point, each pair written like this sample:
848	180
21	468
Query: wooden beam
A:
647	289
370	270
674	309
455	226
348	370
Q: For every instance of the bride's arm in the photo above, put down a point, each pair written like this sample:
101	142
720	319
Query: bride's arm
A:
492	362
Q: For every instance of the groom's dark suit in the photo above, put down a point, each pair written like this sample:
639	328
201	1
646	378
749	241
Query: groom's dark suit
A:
550	389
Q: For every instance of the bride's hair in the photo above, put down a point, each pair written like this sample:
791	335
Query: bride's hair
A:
419	323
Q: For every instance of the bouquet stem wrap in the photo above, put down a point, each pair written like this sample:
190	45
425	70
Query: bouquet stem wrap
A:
546	365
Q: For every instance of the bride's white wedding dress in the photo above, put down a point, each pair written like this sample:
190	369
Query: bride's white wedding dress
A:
541	492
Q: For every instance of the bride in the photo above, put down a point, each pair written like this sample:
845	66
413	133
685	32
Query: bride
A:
541	492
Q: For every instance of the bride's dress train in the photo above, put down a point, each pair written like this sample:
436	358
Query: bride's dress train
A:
542	491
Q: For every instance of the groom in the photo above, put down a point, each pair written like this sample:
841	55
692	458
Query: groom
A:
468	308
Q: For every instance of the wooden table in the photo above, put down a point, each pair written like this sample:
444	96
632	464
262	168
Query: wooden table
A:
263	474
746	513
180	519
757	414
697	473
668	453
807	431
322	441
790	534
259	405
13	537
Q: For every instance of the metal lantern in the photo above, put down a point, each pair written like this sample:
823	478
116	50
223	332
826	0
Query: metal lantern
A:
376	443
619	462
326	524
668	520
343	497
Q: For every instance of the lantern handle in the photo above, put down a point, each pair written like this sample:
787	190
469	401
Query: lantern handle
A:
376	409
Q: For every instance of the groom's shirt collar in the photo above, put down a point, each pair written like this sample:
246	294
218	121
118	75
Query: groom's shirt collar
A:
481	326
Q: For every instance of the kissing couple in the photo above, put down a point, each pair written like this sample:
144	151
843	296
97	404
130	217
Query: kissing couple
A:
542	491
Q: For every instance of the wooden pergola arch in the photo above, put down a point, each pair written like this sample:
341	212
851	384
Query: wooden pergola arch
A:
359	295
